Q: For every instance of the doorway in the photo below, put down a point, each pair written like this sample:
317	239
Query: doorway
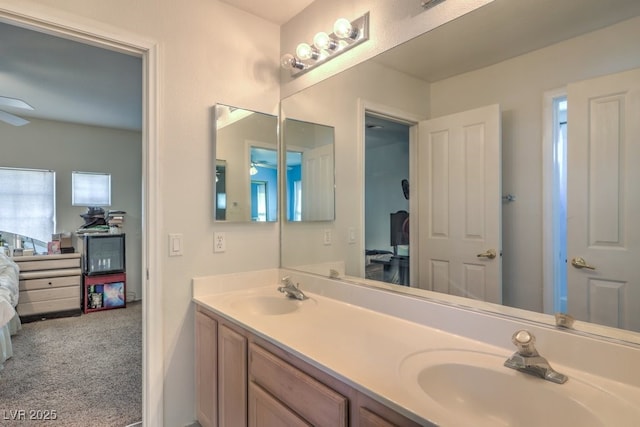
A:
387	188
152	301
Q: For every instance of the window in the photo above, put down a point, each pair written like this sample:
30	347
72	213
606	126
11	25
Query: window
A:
27	202
90	189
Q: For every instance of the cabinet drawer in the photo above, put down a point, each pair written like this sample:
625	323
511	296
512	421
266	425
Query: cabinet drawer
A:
49	294
312	400
44	274
49	282
52	264
41	307
265	411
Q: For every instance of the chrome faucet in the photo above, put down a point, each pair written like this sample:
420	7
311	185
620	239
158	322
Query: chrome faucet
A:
291	290
528	360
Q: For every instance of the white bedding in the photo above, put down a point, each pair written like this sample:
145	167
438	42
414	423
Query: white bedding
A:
9	291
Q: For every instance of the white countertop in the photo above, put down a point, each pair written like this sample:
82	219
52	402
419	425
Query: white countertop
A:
362	347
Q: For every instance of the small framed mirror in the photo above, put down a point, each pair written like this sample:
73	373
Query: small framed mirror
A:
245	146
309	176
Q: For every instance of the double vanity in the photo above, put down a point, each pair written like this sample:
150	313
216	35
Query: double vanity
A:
338	353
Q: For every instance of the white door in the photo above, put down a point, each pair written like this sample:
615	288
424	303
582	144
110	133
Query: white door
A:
460	204
318	184
603	202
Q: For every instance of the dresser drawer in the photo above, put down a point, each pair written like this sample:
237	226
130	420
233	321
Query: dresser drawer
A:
43	307
48	264
49	283
49	294
309	398
43	301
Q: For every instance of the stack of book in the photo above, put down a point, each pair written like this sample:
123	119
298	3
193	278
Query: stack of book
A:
115	219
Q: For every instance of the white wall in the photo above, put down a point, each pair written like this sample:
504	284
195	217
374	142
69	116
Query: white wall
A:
66	147
208	52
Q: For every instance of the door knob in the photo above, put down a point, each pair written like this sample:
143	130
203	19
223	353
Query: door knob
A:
581	263
491	254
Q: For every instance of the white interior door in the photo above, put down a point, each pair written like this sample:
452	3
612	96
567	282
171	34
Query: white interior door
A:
460	204
603	202
317	184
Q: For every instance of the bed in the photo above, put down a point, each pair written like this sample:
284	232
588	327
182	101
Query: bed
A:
9	320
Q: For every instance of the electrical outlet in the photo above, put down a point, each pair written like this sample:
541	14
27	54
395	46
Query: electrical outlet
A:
219	242
327	237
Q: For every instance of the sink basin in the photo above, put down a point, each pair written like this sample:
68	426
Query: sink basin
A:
474	388
267	305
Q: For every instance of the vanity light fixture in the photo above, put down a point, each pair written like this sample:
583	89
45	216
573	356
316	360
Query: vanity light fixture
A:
346	35
253	169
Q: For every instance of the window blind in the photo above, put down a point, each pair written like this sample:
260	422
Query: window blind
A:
27	202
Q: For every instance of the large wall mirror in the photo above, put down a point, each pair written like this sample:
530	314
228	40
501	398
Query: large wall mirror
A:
507	141
246	165
309	175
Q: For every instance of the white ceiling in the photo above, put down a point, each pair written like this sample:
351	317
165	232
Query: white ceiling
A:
276	11
69	81
501	30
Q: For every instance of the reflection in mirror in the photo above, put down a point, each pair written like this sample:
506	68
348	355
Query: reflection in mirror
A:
221	190
582	56
246	176
309	149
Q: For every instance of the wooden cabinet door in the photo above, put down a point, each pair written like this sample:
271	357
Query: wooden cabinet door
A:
206	370
232	376
374	414
309	398
266	411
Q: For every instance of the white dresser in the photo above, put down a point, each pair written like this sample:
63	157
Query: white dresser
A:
49	284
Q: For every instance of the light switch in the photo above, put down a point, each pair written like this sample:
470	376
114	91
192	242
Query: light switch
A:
326	236
351	236
175	244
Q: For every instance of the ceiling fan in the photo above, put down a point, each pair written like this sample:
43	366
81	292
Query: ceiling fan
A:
12	119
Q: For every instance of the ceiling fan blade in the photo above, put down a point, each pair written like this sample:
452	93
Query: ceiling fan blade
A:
15	103
12	120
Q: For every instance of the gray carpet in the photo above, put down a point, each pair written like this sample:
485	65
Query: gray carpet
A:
86	369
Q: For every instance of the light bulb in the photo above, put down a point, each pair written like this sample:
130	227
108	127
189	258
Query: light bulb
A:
343	29
304	52
290	62
323	42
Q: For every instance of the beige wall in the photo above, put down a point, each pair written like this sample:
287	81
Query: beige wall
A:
66	147
208	52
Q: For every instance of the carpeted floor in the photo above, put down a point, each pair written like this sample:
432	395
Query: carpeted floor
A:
84	371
